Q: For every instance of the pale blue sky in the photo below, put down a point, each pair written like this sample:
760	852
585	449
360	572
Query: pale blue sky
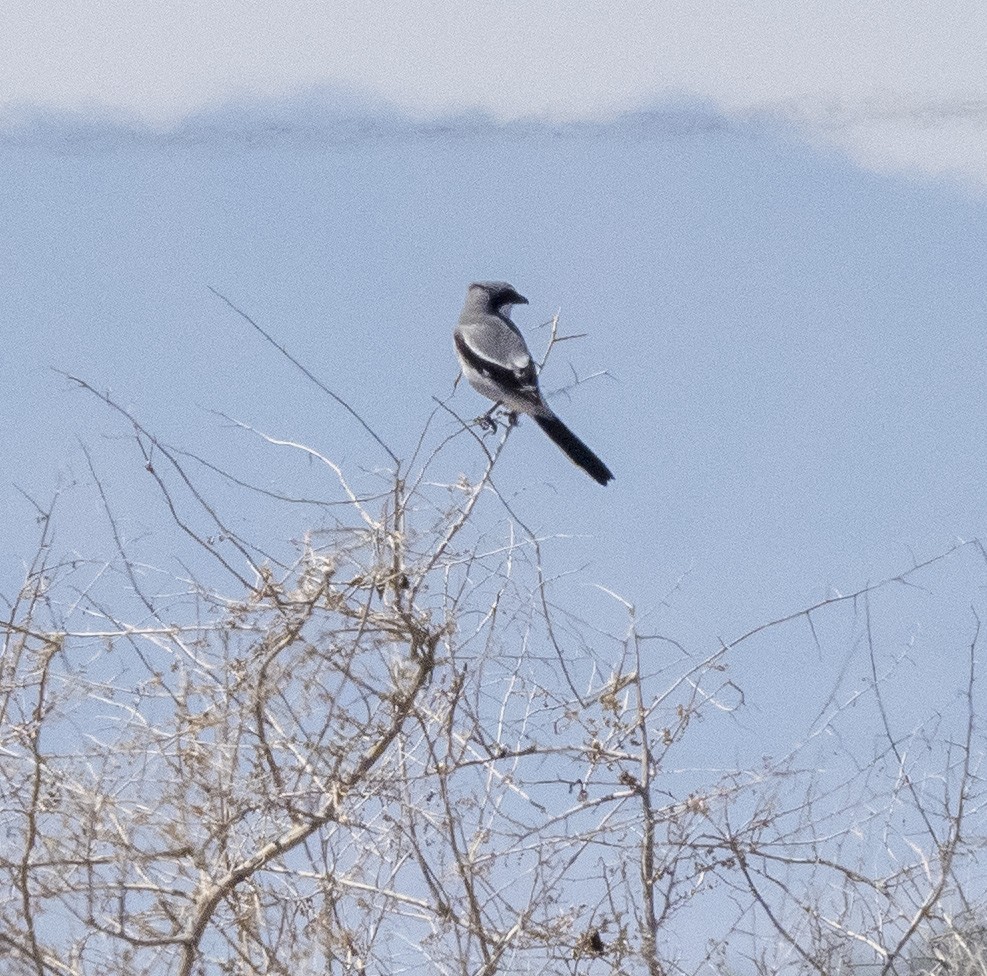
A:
796	346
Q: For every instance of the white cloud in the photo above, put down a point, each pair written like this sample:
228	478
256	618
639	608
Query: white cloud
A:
922	136
566	58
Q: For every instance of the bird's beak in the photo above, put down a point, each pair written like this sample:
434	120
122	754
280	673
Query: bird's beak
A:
519	299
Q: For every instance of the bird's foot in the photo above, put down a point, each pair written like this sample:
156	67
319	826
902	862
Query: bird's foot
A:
486	423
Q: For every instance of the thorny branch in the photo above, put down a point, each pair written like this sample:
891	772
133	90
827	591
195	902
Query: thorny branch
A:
370	755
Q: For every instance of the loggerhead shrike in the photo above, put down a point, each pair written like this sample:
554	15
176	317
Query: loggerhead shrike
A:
497	364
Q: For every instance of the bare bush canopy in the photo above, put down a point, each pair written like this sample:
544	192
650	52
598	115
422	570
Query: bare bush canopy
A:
398	745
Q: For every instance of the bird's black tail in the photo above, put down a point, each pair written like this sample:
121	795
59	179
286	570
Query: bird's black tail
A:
574	448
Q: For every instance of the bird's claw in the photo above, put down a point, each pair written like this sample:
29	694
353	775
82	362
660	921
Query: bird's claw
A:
487	422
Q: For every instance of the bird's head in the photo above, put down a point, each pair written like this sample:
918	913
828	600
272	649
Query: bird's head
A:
498	294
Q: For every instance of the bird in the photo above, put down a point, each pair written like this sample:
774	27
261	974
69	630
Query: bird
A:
496	362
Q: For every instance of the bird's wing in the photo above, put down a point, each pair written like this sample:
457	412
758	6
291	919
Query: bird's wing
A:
497	353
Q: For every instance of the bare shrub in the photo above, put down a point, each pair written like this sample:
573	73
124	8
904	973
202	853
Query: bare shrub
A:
402	750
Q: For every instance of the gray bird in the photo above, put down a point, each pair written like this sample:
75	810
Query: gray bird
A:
496	361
